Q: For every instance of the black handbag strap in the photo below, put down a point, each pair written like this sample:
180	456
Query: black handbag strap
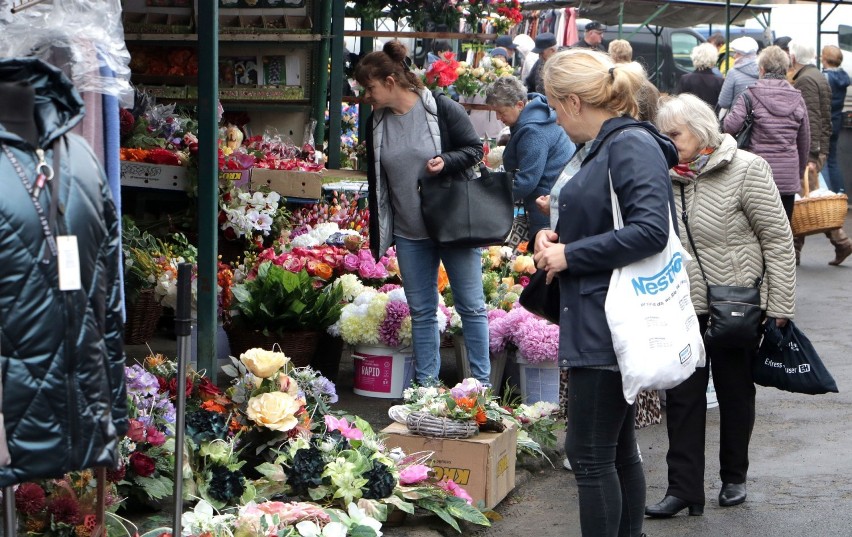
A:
685	217
749	107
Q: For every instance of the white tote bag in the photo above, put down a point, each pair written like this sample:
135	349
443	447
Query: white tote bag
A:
650	314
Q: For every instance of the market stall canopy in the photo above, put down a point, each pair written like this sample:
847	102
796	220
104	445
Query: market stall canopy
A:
672	13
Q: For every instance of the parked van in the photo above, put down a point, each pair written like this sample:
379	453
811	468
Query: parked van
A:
665	56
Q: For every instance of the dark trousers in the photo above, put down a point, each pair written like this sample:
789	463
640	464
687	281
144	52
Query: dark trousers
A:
788	201
601	446
686	416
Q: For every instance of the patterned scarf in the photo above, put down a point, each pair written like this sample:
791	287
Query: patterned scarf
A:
693	168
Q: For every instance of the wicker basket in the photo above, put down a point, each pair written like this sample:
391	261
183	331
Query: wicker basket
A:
428	425
142	318
819	214
298	345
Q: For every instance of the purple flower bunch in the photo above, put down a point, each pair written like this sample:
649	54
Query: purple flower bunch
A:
147	402
536	339
396	312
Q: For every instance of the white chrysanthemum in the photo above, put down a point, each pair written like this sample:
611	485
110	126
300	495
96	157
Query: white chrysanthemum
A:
352	286
304	241
397	295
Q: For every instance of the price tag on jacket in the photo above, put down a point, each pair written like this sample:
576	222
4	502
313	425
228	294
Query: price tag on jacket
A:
68	258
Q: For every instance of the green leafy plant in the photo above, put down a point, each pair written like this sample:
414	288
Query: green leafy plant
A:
278	300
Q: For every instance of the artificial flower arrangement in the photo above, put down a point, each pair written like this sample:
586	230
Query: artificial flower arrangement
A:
538	424
341	210
347	464
473	81
158	135
146	465
330	262
274	300
468	400
380	316
63	507
275	152
507	15
443	72
254	216
281	519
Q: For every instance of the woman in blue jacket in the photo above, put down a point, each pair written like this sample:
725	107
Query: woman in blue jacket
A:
414	134
538	148
595	102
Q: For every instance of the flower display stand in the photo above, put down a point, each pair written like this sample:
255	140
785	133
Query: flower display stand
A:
382	371
298	345
498	363
539	382
142	318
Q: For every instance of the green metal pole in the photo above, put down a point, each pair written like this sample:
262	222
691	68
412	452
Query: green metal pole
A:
208	184
819	32
335	94
620	17
366	47
321	73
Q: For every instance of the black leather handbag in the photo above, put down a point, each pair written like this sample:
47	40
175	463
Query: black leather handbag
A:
541	298
734	311
464	210
743	136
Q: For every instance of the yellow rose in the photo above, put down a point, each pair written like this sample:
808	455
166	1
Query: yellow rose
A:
509	281
274	410
263	363
523	264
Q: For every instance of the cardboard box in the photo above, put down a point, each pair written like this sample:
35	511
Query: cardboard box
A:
483	465
290	184
141	174
238	178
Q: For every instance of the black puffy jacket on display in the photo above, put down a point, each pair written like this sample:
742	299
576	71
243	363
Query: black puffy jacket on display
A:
61	354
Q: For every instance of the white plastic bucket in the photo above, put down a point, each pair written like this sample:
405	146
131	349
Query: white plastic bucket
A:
382	371
539	382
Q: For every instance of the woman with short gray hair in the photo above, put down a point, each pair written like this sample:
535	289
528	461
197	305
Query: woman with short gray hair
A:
538	148
702	82
733	223
781	132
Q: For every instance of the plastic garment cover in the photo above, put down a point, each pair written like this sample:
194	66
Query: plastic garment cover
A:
79	36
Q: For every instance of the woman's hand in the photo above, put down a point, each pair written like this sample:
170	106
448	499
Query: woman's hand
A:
544	238
434	165
551	258
543	204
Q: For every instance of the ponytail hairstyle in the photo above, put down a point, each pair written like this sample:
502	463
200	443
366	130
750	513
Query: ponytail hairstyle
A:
595	79
391	61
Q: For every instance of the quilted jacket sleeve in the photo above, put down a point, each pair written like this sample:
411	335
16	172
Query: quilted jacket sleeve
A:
762	207
114	321
736	116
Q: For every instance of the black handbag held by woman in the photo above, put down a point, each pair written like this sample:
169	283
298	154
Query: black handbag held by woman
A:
465	210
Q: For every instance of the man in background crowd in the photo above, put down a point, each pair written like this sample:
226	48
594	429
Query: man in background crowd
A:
808	79
505	41
545	47
593	37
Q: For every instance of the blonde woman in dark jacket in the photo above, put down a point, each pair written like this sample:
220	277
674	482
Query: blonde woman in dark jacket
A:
741	233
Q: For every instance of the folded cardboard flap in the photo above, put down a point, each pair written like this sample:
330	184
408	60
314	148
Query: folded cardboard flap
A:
483	465
292	184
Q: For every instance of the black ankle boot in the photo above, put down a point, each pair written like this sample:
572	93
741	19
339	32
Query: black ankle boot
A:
732	494
670	506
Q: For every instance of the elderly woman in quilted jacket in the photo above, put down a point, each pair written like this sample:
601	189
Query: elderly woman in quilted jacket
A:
740	232
781	132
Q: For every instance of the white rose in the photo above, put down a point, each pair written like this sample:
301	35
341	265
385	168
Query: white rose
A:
275	410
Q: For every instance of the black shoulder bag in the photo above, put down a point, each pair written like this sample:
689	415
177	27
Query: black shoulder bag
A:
743	136
463	210
734	311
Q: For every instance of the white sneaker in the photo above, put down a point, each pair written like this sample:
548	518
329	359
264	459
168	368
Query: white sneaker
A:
567	464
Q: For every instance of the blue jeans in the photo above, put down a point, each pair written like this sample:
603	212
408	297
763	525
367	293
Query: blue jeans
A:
418	265
601	445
